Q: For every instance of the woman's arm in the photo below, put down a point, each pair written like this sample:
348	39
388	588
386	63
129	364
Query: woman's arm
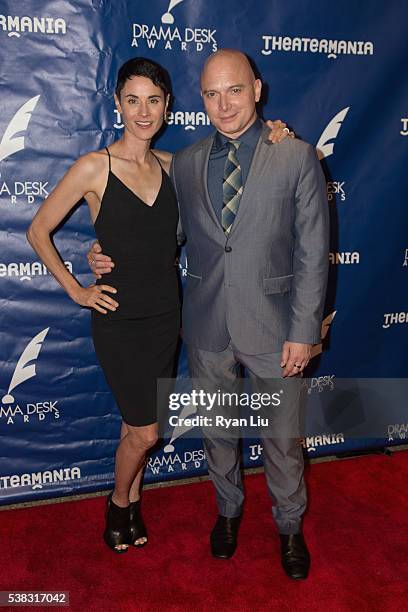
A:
80	181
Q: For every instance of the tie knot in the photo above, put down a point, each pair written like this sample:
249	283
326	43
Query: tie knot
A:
233	144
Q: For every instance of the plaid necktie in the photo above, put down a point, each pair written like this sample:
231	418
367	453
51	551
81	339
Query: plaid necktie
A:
231	187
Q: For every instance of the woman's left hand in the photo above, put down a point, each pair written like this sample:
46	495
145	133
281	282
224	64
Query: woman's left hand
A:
279	131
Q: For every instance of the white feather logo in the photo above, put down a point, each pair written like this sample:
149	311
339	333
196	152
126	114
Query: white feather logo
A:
316	350
179	430
324	146
11	142
23	371
168	17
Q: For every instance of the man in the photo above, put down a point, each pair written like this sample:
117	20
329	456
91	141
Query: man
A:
255	220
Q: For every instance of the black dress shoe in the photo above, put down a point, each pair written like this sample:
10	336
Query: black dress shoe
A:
295	556
224	537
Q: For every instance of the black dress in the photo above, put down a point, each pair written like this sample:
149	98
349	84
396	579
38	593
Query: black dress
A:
136	344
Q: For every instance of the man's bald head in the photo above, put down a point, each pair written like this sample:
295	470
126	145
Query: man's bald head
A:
230	91
231	57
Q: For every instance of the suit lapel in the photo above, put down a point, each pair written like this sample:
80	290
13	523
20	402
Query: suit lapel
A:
264	152
202	156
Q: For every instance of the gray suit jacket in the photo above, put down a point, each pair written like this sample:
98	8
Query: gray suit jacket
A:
266	283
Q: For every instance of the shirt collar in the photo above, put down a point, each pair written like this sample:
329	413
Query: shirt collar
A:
249	137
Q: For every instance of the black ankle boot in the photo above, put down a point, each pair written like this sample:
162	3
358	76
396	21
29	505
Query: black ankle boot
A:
136	524
117	529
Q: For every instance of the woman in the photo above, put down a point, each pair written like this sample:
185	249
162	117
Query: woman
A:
135	323
134	210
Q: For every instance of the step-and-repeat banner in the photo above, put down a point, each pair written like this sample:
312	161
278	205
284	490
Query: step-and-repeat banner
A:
335	73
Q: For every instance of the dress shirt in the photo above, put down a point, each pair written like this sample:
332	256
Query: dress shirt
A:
219	152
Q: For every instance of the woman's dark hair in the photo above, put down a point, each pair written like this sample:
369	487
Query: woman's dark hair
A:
140	66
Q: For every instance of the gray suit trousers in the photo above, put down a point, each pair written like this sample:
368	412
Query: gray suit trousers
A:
282	453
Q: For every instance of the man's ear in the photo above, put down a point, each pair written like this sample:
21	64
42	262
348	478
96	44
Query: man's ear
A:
258	89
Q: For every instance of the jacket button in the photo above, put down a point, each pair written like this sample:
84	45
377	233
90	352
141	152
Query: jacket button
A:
228	249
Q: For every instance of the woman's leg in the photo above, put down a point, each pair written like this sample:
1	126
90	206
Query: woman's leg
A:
134	493
130	460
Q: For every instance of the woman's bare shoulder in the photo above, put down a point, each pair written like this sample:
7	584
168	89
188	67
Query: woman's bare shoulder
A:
165	157
91	164
86	173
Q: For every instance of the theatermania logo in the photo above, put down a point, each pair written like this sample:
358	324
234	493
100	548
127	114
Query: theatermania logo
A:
25	271
309	443
344	257
17	26
302	44
189	120
25	369
165	35
37	480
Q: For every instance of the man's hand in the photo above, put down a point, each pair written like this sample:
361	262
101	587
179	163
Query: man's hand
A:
279	131
295	357
98	262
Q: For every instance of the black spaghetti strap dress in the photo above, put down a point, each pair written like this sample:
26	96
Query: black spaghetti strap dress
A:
136	344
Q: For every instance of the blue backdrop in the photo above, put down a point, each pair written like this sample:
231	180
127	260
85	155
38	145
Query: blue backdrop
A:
334	72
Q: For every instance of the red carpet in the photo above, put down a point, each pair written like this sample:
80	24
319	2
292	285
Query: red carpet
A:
356	529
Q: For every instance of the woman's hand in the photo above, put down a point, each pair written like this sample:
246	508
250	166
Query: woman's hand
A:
94	297
279	131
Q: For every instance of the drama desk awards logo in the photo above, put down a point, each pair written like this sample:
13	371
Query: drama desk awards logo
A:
25	370
168	17
335	189
165	35
172	461
12	142
325	148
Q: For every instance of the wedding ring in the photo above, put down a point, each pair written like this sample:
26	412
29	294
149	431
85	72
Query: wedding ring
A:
287	130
